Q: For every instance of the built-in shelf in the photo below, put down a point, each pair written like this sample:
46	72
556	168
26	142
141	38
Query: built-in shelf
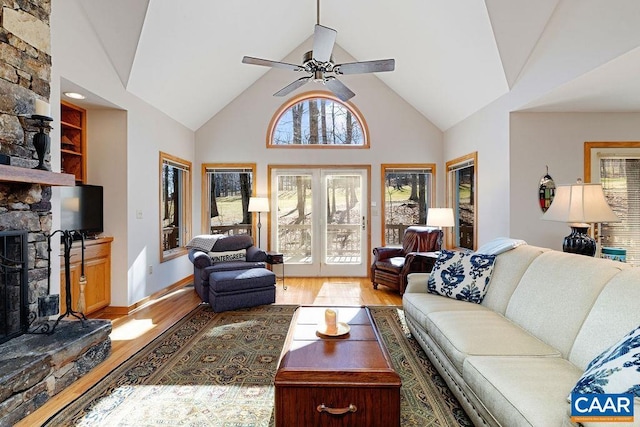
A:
35	176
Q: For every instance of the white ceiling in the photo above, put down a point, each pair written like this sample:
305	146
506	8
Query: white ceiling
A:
453	57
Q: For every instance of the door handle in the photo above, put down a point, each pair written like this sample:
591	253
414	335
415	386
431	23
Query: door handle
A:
364	223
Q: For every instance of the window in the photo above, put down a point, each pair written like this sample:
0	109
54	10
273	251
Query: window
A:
227	189
462	193
616	165
317	119
175	206
407	193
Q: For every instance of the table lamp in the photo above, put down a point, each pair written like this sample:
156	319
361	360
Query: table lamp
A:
580	205
440	217
258	204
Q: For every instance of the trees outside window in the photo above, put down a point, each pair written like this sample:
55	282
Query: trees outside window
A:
317	119
462	194
227	189
407	193
175	205
616	165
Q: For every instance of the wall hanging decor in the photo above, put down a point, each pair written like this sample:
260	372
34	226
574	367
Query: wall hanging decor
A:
546	191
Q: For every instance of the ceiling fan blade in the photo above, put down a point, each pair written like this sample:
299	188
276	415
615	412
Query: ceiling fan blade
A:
339	89
292	86
267	63
366	67
323	40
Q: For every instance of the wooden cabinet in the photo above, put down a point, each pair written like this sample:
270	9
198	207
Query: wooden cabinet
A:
73	141
97	270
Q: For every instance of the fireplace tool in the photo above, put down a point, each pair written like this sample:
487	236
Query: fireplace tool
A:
82	304
67	238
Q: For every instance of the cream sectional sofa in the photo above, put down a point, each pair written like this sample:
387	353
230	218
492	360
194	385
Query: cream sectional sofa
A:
513	359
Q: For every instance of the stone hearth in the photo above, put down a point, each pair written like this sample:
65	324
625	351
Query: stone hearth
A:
34	367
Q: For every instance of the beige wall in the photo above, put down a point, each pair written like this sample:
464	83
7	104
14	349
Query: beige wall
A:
124	157
556	140
398	133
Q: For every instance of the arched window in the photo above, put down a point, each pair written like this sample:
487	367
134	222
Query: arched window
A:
317	119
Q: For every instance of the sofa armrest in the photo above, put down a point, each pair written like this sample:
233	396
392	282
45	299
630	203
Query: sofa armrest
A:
200	259
417	283
255	254
386	253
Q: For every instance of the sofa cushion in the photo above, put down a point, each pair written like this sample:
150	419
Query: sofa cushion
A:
418	306
393	264
615	370
507	272
499	383
234	265
238	280
460	275
226	256
610	318
233	243
540	303
461	334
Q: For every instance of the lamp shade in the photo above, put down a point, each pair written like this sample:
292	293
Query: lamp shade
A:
580	203
258	204
440	217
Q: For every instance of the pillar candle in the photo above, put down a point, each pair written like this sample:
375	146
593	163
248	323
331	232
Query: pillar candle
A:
330	320
42	108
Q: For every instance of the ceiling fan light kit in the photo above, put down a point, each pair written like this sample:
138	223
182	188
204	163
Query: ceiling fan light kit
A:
318	63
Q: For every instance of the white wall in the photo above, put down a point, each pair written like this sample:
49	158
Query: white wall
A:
131	165
398	133
556	140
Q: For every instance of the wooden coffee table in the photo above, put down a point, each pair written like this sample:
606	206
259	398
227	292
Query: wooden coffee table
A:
336	381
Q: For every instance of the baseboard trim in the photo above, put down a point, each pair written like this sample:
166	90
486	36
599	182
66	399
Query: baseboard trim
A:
125	311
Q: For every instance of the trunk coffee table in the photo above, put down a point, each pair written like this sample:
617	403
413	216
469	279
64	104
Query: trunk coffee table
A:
345	380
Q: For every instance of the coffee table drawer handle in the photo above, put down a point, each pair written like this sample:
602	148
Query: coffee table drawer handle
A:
337	411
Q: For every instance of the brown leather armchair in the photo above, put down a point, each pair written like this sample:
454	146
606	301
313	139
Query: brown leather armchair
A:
391	265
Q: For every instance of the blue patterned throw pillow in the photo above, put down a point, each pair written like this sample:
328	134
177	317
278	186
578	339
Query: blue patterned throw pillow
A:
460	275
615	370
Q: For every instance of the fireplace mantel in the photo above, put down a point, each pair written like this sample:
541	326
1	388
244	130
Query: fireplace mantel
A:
35	176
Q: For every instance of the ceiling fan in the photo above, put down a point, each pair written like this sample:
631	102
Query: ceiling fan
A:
318	63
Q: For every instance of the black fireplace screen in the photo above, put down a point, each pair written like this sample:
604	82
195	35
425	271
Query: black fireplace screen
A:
13	284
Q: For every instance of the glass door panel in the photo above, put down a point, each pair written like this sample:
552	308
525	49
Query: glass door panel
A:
319	221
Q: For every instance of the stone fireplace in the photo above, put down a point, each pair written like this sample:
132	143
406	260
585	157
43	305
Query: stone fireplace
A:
33	366
13	284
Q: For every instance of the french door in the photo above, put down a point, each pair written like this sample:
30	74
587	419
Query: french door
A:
319	221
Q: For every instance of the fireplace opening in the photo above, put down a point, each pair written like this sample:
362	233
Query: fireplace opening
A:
13	284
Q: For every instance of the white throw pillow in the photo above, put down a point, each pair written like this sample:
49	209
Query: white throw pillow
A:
460	275
239	255
616	370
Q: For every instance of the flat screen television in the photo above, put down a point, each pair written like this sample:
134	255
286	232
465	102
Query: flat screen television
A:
81	209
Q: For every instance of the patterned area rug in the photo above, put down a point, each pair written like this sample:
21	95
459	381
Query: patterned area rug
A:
217	370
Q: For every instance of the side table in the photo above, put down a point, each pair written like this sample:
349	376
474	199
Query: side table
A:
274	258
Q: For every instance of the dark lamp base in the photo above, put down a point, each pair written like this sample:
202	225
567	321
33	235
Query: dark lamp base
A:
579	242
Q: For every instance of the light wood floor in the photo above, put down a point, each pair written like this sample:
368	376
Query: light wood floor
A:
131	333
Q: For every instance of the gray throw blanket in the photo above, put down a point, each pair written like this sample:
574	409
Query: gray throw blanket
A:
204	242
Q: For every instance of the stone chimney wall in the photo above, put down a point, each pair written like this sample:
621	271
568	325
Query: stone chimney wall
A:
25	74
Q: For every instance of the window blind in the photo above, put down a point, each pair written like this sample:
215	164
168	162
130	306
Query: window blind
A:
620	179
459	166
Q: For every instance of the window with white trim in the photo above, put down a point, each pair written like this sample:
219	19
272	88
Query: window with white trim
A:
226	190
407	193
317	119
616	165
462	195
175	206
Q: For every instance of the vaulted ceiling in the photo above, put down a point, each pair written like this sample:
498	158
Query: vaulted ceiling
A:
453	57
